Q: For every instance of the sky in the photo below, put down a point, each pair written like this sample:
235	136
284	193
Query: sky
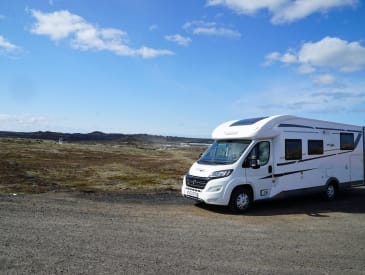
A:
178	67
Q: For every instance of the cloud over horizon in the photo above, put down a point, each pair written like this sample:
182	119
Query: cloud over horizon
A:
305	98
22	119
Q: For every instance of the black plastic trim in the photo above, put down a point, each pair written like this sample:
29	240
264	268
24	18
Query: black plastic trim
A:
286	163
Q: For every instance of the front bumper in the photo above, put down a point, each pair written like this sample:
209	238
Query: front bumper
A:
210	197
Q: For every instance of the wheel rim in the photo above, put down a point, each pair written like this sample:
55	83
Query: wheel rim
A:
242	201
330	191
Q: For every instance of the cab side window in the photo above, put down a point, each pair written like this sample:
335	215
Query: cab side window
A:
260	152
263	152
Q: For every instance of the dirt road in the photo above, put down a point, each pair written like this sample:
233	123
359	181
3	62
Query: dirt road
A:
166	234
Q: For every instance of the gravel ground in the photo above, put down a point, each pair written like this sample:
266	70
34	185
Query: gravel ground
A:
162	233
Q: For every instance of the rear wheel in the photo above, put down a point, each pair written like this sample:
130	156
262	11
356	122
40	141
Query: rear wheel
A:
241	200
331	192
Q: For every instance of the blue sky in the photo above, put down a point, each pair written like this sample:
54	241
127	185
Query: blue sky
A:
175	67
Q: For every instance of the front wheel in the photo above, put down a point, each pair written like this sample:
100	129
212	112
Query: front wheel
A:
241	200
331	192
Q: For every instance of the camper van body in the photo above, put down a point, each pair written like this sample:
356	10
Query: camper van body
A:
276	156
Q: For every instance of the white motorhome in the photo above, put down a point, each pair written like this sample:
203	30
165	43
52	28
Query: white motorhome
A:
270	157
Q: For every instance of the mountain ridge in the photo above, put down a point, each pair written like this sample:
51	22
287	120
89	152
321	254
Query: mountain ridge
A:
98	136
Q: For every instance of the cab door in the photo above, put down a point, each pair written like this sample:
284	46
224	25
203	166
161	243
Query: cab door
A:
259	169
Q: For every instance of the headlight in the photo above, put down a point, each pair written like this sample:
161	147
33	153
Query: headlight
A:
220	174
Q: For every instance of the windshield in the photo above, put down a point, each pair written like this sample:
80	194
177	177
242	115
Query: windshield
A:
224	152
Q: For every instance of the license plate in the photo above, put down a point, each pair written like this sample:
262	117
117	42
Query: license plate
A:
192	194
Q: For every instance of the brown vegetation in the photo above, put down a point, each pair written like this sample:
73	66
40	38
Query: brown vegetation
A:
33	166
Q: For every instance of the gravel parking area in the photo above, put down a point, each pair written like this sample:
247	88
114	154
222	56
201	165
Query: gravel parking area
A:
163	233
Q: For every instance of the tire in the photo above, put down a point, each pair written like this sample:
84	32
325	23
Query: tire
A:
330	192
241	200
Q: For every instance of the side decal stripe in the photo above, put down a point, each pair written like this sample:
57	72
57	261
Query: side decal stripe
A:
302	160
288	173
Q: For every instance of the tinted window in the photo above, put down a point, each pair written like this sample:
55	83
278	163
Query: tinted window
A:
293	149
315	147
347	141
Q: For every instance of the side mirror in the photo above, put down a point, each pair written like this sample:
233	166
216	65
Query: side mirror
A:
254	163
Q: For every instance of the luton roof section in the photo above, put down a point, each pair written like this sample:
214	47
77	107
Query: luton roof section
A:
253	128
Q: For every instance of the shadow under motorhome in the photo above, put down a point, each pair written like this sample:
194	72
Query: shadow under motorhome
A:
270	157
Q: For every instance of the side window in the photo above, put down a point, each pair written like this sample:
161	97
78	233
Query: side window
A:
315	147
261	152
293	149
347	141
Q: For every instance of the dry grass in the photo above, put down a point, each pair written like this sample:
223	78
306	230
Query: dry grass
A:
32	166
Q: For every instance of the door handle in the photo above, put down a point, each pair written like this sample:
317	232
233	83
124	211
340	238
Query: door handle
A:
269	169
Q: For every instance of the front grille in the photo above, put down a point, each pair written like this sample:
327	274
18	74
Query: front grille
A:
196	182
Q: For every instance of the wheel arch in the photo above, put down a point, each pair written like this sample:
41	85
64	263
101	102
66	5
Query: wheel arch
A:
247	186
333	181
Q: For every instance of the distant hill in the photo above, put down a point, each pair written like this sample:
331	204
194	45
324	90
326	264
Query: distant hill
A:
102	137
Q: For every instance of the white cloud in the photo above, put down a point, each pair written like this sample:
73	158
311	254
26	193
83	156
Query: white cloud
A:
248	6
271	58
179	39
305	69
324	79
57	25
328	53
82	35
8	49
283	11
286	58
147	52
210	28
6	45
334	53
